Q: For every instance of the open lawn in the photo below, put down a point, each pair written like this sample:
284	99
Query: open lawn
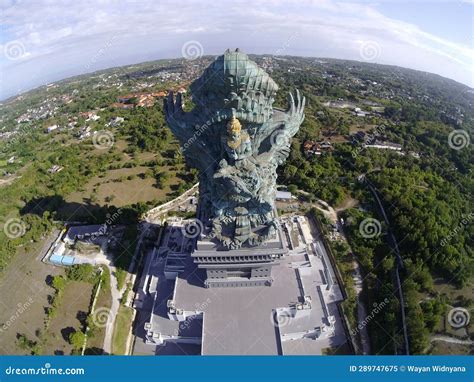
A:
445	348
24	296
456	298
95	341
71	315
453	293
119	188
123	322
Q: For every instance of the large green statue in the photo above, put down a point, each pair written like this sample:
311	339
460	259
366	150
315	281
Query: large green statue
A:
236	139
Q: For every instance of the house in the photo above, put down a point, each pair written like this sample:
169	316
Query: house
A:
84	133
145	100
126	98
90	116
384	145
93	117
51	128
317	148
131	100
84	232
360	113
322	147
284	196
54	169
115	121
358	137
308	145
124	106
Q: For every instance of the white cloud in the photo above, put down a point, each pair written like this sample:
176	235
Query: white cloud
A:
62	36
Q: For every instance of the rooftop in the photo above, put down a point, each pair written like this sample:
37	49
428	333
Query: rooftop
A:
83	231
251	320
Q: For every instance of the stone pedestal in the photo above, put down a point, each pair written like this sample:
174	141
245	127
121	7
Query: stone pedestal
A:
239	267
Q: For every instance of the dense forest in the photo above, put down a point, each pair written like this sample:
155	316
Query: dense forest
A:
428	197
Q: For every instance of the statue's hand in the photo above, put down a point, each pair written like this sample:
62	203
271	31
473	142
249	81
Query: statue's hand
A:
285	128
181	124
174	113
295	113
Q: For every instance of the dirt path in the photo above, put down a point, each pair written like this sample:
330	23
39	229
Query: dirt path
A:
327	210
361	311
330	212
7	181
347	203
109	328
452	340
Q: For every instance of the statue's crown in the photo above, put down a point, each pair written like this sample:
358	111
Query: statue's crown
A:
234	126
234	85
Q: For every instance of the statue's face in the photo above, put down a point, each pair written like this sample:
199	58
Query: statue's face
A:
234	133
234	127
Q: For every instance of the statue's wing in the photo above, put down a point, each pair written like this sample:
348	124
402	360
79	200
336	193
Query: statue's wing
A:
286	127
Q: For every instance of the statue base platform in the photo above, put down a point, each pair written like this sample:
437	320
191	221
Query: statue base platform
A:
243	267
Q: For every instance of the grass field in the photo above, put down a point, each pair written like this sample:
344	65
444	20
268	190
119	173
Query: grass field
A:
444	348
95	341
24	295
121	187
123	322
70	317
453	294
456	298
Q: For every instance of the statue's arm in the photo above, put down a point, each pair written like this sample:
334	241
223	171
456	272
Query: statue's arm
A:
175	115
181	124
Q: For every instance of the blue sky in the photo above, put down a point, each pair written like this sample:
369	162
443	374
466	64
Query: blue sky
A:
44	41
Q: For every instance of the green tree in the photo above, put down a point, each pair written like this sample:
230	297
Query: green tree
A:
77	339
58	283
